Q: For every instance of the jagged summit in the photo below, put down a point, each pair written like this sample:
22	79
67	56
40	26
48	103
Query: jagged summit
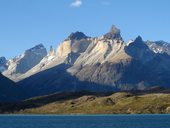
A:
159	46
114	33
138	39
52	51
24	62
138	42
36	47
114	29
139	50
163	43
77	36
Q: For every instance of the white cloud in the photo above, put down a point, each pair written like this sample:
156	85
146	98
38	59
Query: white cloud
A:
76	3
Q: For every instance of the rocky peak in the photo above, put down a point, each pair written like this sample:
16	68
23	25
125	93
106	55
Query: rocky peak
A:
114	33
159	46
52	51
77	36
39	47
114	30
139	50
2	60
22	63
139	43
138	39
162	43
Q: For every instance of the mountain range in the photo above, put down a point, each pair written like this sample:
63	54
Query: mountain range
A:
83	63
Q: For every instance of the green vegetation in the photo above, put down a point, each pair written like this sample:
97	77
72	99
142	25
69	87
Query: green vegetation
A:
117	103
90	103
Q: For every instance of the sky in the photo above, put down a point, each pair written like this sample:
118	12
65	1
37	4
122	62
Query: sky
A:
26	23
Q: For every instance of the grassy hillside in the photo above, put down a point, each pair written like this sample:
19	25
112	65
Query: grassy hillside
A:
84	103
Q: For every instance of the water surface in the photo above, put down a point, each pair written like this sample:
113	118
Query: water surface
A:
85	121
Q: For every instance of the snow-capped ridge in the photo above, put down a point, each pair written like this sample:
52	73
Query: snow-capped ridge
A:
159	46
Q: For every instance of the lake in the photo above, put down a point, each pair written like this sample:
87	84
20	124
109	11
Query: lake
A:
85	121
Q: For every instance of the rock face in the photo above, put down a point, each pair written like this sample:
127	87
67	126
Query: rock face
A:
21	64
159	46
3	64
113	34
122	67
139	50
52	51
99	64
67	53
77	36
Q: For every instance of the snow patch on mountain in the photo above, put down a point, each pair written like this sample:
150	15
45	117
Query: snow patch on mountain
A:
159	46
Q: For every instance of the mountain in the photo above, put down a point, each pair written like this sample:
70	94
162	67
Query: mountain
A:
67	52
3	64
100	64
159	46
93	64
76	46
113	34
124	67
24	62
9	91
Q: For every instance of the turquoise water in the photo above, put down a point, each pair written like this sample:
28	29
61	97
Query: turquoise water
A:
93	121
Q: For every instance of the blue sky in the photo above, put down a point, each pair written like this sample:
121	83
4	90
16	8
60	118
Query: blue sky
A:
25	23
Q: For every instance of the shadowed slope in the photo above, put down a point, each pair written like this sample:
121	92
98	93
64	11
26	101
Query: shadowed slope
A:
9	91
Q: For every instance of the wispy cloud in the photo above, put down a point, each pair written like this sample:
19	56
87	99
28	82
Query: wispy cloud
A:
76	3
